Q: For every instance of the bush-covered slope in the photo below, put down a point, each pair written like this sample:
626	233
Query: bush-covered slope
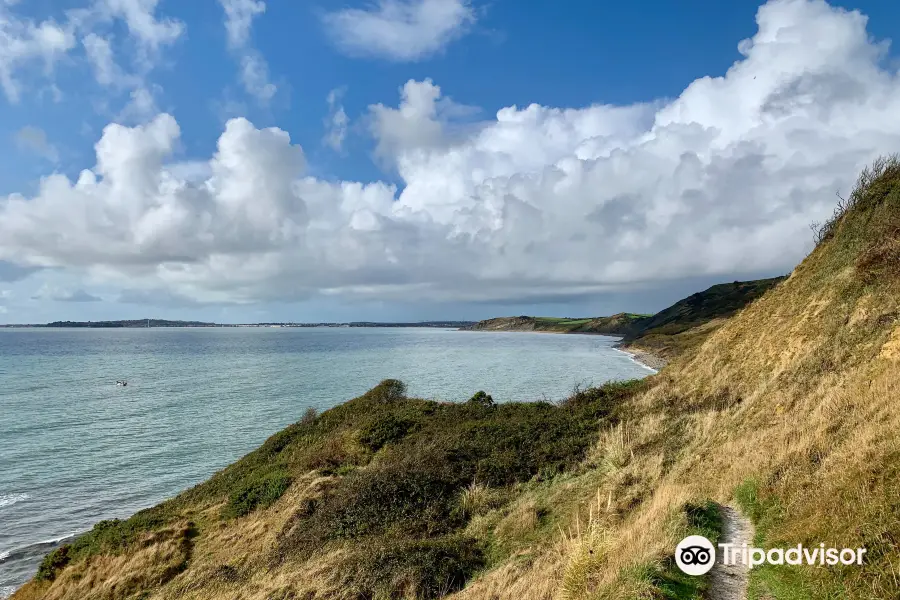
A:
719	301
376	496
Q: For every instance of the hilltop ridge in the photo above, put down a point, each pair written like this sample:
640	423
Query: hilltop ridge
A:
151	323
618	324
665	334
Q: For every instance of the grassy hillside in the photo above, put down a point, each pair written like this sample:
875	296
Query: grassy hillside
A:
668	333
618	324
381	496
685	324
787	410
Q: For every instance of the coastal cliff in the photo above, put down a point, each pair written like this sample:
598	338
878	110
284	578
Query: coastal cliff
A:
785	410
654	339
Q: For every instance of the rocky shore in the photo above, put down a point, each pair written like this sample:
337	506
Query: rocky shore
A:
644	357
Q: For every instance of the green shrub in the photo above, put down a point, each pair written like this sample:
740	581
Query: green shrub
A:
514	442
482	399
329	456
421	569
430	452
412	495
608	395
383	431
113	536
53	563
388	390
258	493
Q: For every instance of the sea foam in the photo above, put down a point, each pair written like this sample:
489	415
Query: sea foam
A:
10	499
6	591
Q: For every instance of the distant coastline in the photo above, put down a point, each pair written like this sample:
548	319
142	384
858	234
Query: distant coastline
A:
157	323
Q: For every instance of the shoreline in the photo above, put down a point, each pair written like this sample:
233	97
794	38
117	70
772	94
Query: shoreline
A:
642	357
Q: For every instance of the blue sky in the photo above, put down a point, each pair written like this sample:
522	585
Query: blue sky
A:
259	161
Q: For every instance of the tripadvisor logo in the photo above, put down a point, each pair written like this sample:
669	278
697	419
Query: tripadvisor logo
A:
695	555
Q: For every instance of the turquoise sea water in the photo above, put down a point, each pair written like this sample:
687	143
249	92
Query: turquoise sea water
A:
76	449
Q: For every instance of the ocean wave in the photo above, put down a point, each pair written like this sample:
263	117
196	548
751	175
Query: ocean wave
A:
6	591
10	499
636	361
53	541
35	550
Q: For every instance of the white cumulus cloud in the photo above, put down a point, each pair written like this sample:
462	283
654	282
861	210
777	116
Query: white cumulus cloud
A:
254	71
141	106
140	18
239	15
535	202
400	30
24	43
107	72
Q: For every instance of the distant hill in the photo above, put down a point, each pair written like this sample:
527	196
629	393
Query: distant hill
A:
722	300
143	323
687	322
667	333
618	324
134	323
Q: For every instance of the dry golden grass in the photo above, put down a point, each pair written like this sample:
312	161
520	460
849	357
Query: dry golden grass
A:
537	577
159	558
613	450
799	394
226	559
478	499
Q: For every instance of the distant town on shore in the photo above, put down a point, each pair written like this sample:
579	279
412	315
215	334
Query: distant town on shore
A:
150	323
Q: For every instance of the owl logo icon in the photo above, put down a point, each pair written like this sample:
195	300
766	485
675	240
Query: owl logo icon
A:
695	555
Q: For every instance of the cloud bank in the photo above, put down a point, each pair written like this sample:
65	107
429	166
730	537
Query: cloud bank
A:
535	202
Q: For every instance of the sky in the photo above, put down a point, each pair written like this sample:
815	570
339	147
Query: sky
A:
403	160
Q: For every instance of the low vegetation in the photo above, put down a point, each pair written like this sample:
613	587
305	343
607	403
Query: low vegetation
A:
402	481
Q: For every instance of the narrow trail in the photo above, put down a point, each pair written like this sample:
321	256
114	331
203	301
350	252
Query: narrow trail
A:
729	582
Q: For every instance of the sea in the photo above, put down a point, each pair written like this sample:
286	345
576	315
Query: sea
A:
75	448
